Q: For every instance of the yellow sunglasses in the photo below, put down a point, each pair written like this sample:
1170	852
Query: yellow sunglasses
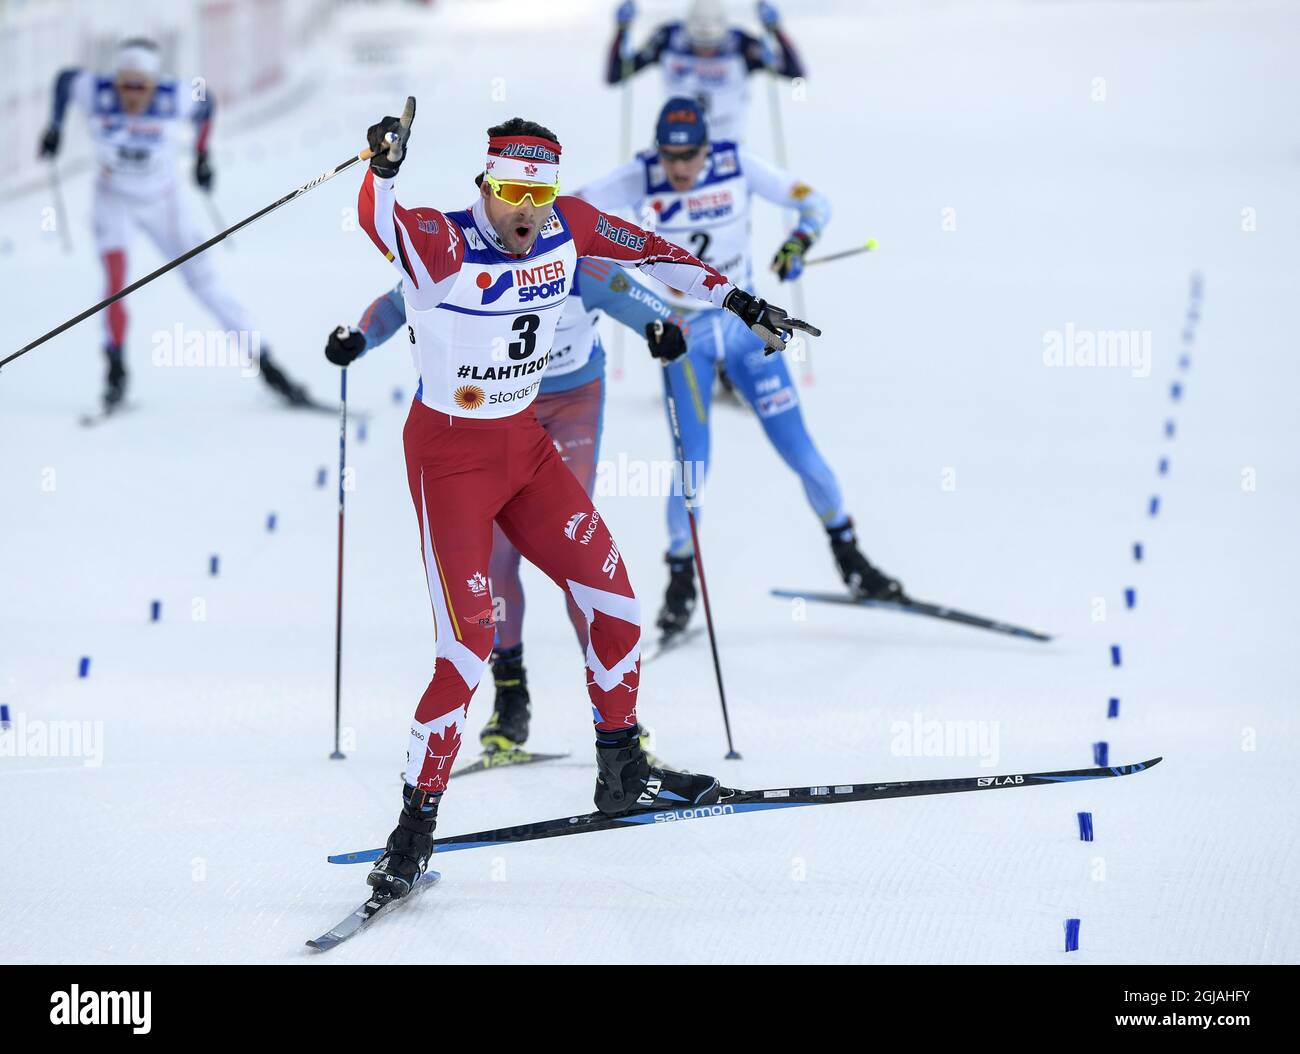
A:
539	194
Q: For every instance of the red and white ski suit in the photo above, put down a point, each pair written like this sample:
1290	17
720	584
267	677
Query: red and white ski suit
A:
480	323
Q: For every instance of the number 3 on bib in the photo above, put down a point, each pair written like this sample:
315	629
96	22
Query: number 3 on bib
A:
526	327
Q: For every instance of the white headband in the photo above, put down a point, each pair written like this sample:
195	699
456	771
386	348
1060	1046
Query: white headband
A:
528	159
137	58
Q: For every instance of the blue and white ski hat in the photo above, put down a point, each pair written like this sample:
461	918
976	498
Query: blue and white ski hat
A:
681	123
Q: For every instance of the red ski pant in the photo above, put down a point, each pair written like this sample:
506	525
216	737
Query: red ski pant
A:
464	475
572	419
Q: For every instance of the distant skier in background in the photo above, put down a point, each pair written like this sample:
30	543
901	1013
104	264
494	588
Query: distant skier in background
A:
706	59
700	190
570	406
135	117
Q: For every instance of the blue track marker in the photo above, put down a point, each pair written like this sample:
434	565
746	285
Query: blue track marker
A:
1114	655
1130	598
83	667
1169	428
1085	827
155	610
1101	754
1153	506
1112	706
1137	552
214	563
1175	391
1071	935
270	521
320	477
4	716
1163	467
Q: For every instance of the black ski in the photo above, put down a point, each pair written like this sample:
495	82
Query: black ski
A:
670	641
379	904
919	607
496	759
98	417
734	802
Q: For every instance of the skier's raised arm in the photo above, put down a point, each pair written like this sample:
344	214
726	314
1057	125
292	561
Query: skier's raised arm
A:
424	246
617	67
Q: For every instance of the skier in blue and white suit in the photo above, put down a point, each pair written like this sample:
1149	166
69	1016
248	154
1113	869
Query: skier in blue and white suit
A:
705	57
698	193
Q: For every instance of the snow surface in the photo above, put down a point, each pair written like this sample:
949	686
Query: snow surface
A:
202	835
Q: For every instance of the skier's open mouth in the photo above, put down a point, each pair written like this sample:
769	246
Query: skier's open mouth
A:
523	232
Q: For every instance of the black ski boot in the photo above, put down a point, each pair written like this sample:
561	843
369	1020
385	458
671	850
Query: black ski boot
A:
627	782
865	582
115	383
507	728
679	599
409	846
278	381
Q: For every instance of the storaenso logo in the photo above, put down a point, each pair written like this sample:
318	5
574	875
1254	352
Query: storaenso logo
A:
694	814
76	1007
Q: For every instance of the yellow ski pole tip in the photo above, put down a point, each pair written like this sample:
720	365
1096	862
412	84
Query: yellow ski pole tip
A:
872	243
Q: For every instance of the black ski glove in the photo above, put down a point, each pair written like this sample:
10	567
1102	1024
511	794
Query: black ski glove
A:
203	171
788	261
770	323
345	346
377	138
666	341
50	142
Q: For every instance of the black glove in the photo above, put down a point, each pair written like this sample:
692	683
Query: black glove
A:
203	171
50	142
666	341
788	261
376	137
345	345
770	323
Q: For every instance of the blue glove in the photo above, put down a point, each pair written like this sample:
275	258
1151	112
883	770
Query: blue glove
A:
768	14
625	13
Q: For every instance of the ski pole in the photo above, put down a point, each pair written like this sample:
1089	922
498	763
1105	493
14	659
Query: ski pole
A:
689	494
396	140
60	212
870	246
215	214
624	150
338	607
778	151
